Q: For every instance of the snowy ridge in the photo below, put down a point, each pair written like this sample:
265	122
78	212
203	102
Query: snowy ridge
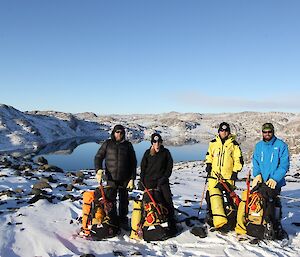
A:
32	129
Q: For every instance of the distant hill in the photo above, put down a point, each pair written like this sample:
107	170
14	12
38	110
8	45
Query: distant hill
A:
32	129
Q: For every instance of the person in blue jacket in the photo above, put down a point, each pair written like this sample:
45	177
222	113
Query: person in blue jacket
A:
270	165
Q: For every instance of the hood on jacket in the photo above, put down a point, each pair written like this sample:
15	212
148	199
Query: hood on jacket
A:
118	127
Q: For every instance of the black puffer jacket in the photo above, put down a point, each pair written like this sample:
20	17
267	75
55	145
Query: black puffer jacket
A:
120	160
156	169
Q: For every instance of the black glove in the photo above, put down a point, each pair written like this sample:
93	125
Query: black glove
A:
234	176
208	169
140	186
162	181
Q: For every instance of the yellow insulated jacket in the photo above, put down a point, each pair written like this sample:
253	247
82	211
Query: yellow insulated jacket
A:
225	158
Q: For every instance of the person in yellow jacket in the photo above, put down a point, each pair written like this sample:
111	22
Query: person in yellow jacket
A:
223	159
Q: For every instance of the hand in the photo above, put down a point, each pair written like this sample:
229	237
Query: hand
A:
234	176
271	183
140	186
162	181
208	169
256	180
130	185
99	175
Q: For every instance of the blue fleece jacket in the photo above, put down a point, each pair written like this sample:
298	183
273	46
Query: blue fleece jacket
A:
271	160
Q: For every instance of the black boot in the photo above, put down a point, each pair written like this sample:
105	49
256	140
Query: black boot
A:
280	233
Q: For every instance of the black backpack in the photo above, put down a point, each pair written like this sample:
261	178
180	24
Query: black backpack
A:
103	204
155	223
261	216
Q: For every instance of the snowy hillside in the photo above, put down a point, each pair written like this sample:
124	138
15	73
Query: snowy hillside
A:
32	129
40	207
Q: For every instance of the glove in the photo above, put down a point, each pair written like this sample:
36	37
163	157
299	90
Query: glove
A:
271	183
130	185
140	186
256	180
162	181
234	176
208	169
99	175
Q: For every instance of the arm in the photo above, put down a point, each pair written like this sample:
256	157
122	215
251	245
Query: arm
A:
100	155
133	161
237	158
255	162
144	165
169	166
283	167
209	157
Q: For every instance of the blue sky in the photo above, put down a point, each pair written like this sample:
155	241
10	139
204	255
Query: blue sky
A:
150	56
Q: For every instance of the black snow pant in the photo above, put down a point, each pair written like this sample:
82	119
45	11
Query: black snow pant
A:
167	197
119	188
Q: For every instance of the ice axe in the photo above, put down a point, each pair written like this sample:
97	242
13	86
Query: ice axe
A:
151	198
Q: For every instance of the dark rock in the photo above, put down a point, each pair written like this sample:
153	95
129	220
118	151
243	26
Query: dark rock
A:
19	190
18	173
41	160
8	193
49	179
36	191
39	197
87	255
69	187
77	181
6	163
51	168
25	166
27	173
70	174
62	185
41	185
80	174
69	196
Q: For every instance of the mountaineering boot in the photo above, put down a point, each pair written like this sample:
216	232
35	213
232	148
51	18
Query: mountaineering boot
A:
225	229
280	233
269	232
199	231
173	230
124	224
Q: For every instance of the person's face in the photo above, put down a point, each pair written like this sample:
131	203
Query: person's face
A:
118	135
267	135
156	145
223	133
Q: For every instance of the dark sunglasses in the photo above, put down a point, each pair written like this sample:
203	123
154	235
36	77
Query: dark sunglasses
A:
119	131
267	132
222	130
156	141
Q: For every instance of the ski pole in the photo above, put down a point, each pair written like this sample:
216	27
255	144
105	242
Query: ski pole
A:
248	194
151	198
203	193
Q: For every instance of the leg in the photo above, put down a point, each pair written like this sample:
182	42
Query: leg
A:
123	203
167	196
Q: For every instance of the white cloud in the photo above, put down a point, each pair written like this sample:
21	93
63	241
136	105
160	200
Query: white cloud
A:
278	102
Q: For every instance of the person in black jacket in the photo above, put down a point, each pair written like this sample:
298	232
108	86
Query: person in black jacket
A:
120	168
156	168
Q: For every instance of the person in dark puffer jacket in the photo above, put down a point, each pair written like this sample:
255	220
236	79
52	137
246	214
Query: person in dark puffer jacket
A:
156	168
120	168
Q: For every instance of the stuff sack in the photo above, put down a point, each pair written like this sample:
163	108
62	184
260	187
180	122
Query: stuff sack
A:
155	225
222	208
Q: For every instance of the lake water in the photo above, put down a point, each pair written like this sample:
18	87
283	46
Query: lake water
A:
82	157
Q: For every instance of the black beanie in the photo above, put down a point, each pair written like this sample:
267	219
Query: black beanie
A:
224	126
156	137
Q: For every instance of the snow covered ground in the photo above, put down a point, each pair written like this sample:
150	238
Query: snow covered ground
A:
32	227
